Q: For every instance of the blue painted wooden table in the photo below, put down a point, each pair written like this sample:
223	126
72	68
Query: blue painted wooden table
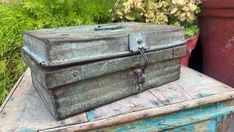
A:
194	103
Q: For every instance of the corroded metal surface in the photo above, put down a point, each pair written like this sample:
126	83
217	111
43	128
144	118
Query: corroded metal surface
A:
62	46
76	69
87	94
51	78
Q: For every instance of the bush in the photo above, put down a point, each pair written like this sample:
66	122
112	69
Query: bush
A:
37	14
172	12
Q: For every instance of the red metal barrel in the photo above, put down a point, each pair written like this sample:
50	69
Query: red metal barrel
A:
217	39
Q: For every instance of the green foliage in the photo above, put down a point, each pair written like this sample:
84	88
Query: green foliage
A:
37	14
191	30
197	10
172	12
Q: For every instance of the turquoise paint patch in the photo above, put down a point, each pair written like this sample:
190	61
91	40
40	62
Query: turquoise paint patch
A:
212	126
220	105
218	119
99	130
186	128
90	115
202	95
181	117
26	130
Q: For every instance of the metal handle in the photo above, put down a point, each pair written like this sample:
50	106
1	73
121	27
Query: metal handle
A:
108	27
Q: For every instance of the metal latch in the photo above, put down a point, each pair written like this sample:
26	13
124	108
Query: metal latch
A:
137	43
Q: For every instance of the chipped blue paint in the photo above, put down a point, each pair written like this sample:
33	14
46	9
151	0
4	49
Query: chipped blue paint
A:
212	125
200	95
213	122
186	128
26	130
211	111
90	115
219	105
218	119
99	130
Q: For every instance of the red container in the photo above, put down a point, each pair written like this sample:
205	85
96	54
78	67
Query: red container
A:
191	44
217	39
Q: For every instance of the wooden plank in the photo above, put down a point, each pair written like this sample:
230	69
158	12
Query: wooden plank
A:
11	92
25	109
226	124
148	113
202	126
130	104
179	121
170	93
198	85
186	70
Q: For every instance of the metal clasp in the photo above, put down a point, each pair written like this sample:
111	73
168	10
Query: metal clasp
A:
140	72
137	43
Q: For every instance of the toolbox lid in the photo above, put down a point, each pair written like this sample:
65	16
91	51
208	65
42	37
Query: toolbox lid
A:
80	44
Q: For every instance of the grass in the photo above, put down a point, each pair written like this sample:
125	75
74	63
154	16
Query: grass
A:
37	14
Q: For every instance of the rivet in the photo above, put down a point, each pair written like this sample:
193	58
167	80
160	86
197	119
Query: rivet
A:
75	74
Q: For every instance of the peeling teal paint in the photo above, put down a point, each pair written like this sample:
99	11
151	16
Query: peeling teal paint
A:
212	125
203	95
220	105
90	115
186	128
211	111
26	130
213	122
218	119
99	130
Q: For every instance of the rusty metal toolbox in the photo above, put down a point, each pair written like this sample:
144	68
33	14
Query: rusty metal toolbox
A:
75	69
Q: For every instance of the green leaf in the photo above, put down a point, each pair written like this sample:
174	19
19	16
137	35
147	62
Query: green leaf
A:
197	10
191	30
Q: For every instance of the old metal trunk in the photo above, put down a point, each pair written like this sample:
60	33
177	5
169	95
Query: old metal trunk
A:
75	69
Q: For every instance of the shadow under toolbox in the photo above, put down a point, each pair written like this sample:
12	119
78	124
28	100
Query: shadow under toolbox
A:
75	69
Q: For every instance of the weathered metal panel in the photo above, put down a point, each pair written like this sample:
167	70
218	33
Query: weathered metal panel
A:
62	46
51	78
87	94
